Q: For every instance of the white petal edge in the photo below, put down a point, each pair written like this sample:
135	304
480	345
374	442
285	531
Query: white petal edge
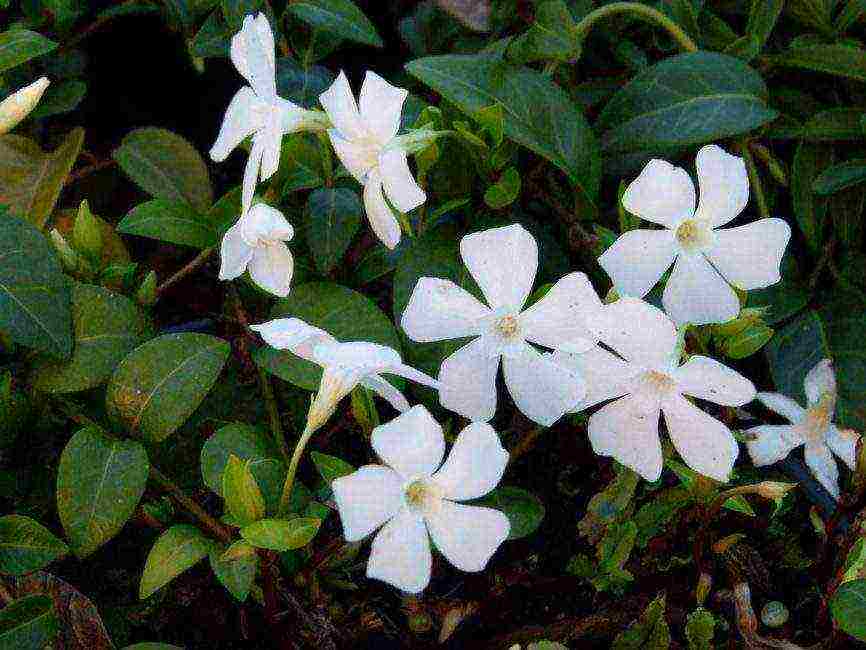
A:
468	381
819	380
503	262
843	443
400	185
438	309
264	223
605	374
241	120
366	499
697	294
361	355
662	194
723	183
339	103
387	391
475	464
467	536
772	442
412	443
379	213
400	554
707	379
564	318
627	431
272	267
542	389
252	51
354	156
640	332
638	259
381	106
823	466
749	256
235	254
783	405
294	335
705	444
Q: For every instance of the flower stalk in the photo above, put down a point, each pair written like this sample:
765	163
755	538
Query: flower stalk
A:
645	13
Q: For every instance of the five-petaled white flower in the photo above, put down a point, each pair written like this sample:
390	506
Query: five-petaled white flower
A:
503	261
411	498
257	110
367	144
257	241
345	365
812	427
705	259
18	105
647	378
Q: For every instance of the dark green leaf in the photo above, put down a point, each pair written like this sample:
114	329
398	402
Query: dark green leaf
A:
175	551
333	217
302	85
700	629
809	160
762	19
839	60
59	98
20	45
26	545
339	17
552	37
840	177
794	351
29	622
650	632
213	38
330	467
236	574
523	509
505	191
170	220
848	606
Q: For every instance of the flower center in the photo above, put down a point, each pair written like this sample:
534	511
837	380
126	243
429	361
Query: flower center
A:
420	495
508	327
368	149
818	418
654	382
692	235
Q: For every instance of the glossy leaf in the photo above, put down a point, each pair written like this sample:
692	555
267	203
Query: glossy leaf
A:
810	210
840	177
848	607
281	534
523	509
18	46
28	622
330	467
338	17
839	60
504	191
173	221
333	216
236	574
26	545
176	550
794	351
243	497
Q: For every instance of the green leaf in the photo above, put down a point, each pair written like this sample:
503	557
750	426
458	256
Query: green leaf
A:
809	160
700	629
213	38
34	293
840	177
650	632
31	179
152	645
107	326
165	166
175	551
169	220
330	467
685	100
338	17
100	481
794	351
20	45
236	574
844	329
609	504
746	343
29	622
838	60
553	36
243	497
825	126
346	314
281	534
848	606
537	113
505	191
87	233
26	545
523	509
762	19
333	217
159	384
654	517
60	98
301	85
301	165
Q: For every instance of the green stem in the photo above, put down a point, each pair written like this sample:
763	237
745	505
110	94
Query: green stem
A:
293	468
273	412
643	12
754	180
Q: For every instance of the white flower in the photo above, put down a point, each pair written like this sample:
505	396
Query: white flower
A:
503	261
411	498
18	105
812	427
366	142
257	241
747	256
345	365
646	378
257	110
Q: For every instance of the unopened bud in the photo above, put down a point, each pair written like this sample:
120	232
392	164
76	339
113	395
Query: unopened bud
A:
19	104
705	583
774	490
146	294
68	257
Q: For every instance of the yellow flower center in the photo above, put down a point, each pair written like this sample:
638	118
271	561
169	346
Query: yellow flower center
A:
420	495
688	233
508	326
818	418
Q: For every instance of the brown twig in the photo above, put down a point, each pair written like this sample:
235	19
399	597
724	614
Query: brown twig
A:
199	259
208	522
87	170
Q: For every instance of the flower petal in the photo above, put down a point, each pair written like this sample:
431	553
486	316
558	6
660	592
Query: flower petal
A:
638	259
242	119
663	194
412	374
252	52
772	443
400	185
400	554
381	217
563	318
843	443
360	355
626	430
749	256
265	224
381	106
272	141
412	443
605	374
294	335
542	389
366	499
710	380
475	464
819	380
823	466
724	185
18	105
705	444
271	268
339	103
468	378
235	254
439	309
503	262
697	294
467	535
355	157
251	174
638	331
783	405
386	390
